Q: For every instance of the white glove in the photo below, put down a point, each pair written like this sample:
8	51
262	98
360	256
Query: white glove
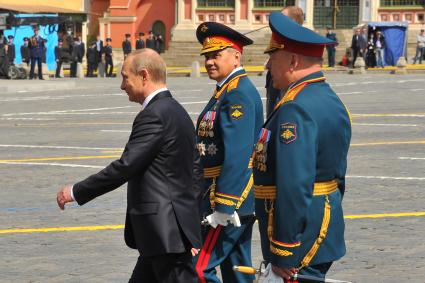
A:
270	276
223	219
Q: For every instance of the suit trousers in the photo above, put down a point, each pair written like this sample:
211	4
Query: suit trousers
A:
33	62
167	268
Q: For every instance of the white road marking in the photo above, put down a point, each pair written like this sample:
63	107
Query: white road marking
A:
389	115
65	111
374	82
386	177
26	119
116	131
56	97
52	164
411	158
389	125
418	89
357	92
57	147
194	102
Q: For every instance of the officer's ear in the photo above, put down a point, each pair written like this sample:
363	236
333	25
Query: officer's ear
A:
294	62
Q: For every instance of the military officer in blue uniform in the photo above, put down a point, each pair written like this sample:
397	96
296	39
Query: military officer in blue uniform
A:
226	132
331	48
300	158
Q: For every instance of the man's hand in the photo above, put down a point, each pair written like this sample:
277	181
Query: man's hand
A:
64	196
194	251
285	273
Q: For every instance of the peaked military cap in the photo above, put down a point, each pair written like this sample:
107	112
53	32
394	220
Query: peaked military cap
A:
60	40
26	39
141	33
127	35
292	37
10	37
215	36
108	39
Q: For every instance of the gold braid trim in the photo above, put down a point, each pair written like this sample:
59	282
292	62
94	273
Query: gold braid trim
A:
280	252
245	191
322	235
224	201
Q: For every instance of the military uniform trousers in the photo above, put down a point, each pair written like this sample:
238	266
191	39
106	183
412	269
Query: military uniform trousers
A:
225	247
109	66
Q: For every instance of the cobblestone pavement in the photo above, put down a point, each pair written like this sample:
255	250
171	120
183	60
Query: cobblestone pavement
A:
51	137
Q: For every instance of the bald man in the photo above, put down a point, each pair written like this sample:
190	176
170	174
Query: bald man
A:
162	219
297	15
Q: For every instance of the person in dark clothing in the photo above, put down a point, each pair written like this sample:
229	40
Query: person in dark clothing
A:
358	45
91	59
25	52
11	50
36	46
159	42
273	94
331	48
140	43
150	41
82	47
126	45
109	64
43	59
77	56
99	50
4	64
370	55
59	51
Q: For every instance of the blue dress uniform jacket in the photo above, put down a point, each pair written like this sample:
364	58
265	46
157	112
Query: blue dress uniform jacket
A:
226	153
300	180
227	130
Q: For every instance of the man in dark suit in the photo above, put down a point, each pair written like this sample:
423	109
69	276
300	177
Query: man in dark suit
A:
99	48
59	51
11	50
36	46
140	43
25	52
126	45
358	45
78	52
109	63
150	41
91	60
164	182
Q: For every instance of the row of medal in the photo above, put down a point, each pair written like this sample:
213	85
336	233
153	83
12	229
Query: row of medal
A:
206	126
260	150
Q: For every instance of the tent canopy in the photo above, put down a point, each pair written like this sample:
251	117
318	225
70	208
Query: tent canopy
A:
395	34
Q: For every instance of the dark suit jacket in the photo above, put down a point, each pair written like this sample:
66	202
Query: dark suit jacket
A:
163	190
25	53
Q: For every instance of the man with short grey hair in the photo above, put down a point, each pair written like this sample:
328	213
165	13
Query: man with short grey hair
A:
161	165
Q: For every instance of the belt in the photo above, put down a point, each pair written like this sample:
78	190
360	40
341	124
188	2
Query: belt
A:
214	172
320	189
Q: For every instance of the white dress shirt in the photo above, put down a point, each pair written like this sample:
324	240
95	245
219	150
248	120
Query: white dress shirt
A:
144	104
152	95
